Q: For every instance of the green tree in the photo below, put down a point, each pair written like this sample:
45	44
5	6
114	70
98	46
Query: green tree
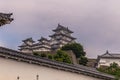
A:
43	55
83	60
78	50
50	56
36	53
113	69
62	57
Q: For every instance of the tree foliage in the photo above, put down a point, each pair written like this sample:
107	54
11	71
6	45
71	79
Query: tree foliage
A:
43	55
83	60
36	54
62	57
78	50
113	69
50	56
40	54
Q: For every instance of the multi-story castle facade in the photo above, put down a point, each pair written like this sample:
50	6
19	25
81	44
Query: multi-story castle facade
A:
62	35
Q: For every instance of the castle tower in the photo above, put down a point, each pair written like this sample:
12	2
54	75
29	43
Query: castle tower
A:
26	47
42	46
62	35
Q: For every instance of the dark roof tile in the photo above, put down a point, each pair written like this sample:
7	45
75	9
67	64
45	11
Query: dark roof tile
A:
60	27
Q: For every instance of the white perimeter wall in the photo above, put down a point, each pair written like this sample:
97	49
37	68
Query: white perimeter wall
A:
107	62
10	69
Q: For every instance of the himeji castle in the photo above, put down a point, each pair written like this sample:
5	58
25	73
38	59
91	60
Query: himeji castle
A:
62	35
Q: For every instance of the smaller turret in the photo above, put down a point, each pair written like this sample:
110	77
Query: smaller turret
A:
26	47
42	46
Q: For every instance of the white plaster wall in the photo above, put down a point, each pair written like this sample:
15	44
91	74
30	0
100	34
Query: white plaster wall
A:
42	49
30	43
107	62
26	51
10	69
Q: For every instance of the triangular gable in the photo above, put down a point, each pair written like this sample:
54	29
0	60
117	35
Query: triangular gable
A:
107	54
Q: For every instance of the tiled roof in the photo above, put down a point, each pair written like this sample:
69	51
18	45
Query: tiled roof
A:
60	27
42	38
41	43
79	69
40	46
62	35
110	55
28	39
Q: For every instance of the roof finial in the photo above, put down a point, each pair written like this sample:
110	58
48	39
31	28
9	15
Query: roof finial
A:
67	28
107	51
41	37
58	24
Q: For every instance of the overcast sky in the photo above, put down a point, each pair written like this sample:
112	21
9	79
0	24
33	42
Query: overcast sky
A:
96	23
